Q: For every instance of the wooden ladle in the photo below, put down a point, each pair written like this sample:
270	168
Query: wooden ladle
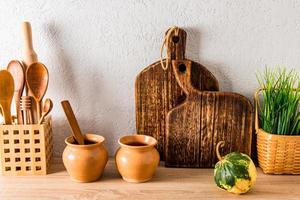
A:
48	105
16	69
37	78
6	94
73	122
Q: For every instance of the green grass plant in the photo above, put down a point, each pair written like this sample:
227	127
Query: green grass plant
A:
279	109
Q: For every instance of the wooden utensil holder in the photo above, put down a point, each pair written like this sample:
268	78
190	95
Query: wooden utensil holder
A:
26	149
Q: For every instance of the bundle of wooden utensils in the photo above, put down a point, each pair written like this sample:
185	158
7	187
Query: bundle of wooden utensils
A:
29	108
31	75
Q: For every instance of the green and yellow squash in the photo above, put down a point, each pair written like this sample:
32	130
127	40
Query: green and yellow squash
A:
235	172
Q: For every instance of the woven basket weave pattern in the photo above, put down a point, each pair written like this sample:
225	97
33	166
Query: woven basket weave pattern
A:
278	154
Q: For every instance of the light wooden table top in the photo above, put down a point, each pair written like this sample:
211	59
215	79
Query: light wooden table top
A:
168	183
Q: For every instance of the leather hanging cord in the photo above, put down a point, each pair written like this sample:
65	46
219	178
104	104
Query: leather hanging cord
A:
166	40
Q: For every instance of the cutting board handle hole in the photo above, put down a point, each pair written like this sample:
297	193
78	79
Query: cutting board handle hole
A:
175	39
182	68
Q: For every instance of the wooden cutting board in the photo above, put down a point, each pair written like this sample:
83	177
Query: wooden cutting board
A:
157	91
196	126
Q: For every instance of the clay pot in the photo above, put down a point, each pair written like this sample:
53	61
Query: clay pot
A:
85	163
137	158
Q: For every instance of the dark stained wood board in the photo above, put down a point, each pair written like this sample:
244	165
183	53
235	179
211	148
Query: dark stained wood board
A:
157	91
196	126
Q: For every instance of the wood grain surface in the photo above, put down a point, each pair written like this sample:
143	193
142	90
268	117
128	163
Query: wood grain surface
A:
157	91
29	57
6	95
196	126
16	69
168	183
76	132
37	79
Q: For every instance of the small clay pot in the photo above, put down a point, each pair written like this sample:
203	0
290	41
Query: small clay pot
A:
85	163
137	158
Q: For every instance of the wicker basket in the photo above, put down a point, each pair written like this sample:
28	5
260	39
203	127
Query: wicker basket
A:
277	154
26	149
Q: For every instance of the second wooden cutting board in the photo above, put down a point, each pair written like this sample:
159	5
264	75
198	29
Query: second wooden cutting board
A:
157	91
196	126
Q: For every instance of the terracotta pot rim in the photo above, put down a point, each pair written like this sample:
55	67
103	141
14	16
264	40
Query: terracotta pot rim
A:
147	140
276	135
98	139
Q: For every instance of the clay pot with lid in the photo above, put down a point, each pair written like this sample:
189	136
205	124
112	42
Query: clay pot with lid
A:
85	163
137	158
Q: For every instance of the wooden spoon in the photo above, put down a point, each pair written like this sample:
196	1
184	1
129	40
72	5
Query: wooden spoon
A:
6	94
37	78
73	122
16	69
48	105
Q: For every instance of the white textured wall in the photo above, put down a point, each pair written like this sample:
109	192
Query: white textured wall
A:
94	49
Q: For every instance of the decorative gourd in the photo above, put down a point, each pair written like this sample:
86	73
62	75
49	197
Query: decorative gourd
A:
235	173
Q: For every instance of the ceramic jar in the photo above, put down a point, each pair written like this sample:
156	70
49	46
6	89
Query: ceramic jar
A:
137	158
85	163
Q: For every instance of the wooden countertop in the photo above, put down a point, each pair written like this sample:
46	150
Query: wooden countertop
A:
168	183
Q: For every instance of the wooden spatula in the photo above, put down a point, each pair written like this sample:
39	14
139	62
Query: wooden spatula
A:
6	94
196	126
157	91
16	69
73	122
37	78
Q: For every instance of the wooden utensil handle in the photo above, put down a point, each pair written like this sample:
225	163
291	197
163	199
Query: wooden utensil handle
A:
24	114
7	116
73	122
38	110
27	37
42	118
182	71
176	44
29	55
17	97
29	116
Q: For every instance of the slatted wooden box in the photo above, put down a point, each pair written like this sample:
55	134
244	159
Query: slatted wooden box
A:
26	149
